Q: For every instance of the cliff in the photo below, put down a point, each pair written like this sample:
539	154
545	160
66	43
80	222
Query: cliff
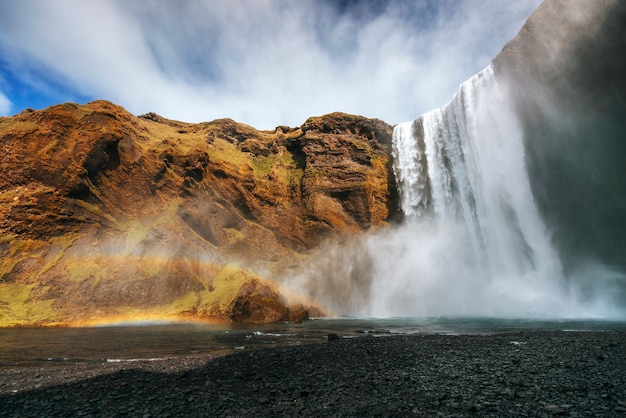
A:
565	70
108	216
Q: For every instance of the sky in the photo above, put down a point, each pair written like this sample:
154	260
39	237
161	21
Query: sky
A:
261	62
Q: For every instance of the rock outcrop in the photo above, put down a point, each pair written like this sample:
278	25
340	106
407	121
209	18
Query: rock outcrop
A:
566	70
105	215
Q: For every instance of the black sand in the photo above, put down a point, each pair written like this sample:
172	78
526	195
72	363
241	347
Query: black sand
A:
530	373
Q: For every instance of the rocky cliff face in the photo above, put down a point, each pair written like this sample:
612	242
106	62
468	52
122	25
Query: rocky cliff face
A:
566	72
105	215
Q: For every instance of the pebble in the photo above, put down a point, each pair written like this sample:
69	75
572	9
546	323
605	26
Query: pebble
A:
547	374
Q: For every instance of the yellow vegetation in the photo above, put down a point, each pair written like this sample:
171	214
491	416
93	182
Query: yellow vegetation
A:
17	307
216	301
212	304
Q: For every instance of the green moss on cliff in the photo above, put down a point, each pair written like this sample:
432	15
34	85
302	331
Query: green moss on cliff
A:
215	301
18	308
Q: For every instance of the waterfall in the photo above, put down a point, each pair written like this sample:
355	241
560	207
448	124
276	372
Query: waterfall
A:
474	242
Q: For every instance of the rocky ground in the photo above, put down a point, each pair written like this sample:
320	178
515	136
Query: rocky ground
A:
510	374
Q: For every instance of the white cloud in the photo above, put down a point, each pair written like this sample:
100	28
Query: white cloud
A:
267	62
5	105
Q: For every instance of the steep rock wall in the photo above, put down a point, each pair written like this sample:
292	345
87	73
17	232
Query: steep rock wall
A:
566	70
105	215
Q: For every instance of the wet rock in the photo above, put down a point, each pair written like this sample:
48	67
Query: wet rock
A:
298	314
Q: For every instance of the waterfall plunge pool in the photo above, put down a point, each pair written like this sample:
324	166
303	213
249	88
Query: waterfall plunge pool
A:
45	347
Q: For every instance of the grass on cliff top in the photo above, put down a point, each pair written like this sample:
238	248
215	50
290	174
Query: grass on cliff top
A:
226	153
17	127
194	137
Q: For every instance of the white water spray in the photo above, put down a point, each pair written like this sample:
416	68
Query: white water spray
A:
473	243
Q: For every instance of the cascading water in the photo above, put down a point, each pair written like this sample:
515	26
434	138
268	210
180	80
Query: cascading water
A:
474	242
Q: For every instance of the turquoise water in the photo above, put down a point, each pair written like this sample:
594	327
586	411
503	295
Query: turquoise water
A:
21	347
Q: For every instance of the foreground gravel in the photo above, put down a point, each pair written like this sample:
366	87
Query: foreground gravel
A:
513	374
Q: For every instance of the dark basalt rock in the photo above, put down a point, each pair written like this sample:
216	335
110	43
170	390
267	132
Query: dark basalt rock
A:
565	71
